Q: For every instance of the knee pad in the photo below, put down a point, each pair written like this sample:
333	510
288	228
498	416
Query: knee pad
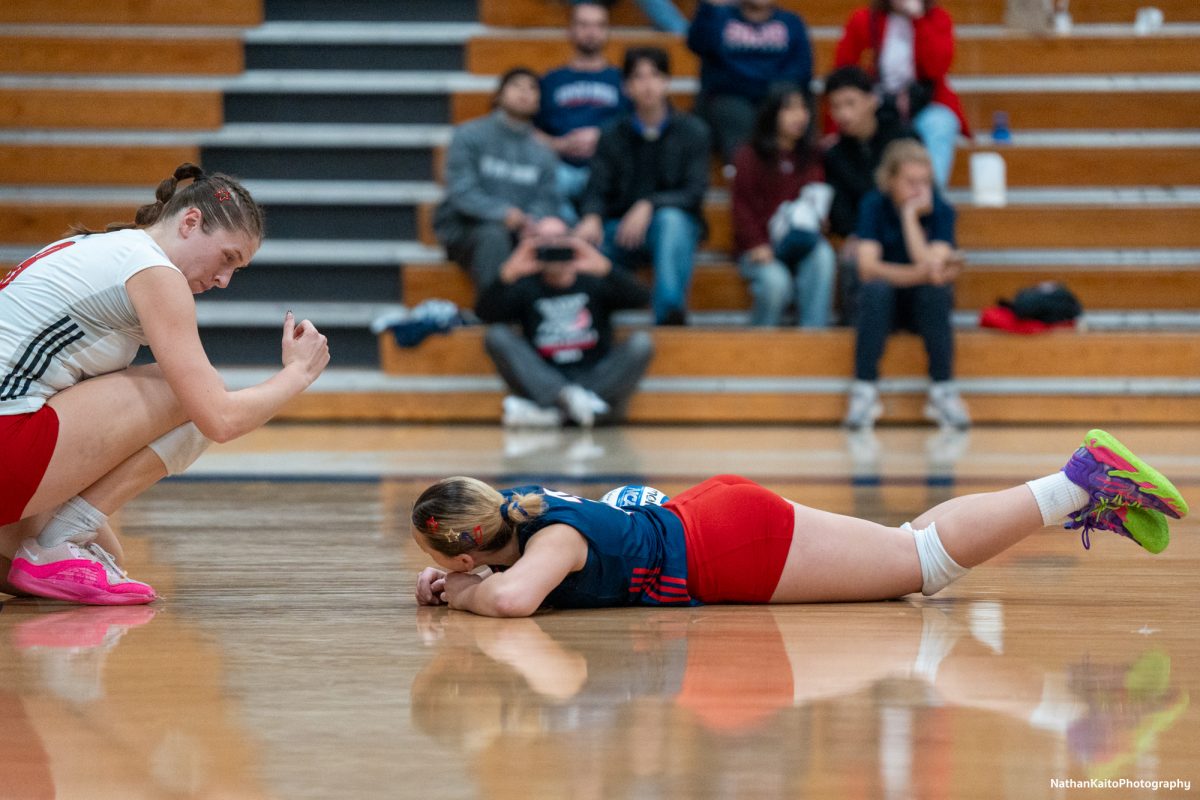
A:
938	569
179	448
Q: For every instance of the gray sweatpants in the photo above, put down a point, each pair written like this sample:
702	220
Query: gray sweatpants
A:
614	378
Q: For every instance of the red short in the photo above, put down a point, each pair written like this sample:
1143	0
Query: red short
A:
26	444
738	536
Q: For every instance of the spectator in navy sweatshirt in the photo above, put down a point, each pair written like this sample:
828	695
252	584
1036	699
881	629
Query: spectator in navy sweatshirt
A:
499	181
578	99
647	187
744	47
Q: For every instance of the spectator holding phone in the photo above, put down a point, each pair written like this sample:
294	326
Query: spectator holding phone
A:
907	46
908	263
562	293
780	202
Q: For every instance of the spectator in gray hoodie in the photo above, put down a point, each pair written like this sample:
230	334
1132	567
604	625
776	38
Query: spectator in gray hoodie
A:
499	181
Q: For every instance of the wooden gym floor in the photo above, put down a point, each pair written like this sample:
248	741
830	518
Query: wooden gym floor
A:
288	659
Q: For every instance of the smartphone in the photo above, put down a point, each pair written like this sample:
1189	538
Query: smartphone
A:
555	253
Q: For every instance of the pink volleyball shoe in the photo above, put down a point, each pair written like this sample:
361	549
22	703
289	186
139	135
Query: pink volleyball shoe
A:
80	574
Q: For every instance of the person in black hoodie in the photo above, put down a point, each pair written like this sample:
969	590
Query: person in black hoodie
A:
863	133
563	292
647	185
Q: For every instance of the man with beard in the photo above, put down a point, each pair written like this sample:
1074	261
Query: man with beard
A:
577	100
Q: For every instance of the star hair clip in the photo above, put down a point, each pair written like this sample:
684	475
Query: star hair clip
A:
475	537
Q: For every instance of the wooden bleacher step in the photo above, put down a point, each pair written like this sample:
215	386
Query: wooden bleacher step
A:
1002	54
243	13
1028	110
107	55
98	164
122	109
718	287
721	352
543	13
714	376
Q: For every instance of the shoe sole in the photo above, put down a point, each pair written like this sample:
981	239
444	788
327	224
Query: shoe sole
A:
1150	482
876	415
932	415
1148	528
22	576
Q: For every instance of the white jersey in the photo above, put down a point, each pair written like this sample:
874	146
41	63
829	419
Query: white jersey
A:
66	316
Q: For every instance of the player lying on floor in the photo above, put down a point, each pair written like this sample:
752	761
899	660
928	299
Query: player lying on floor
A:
729	540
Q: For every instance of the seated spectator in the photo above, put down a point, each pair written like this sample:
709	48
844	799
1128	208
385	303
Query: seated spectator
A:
499	181
577	100
908	46
662	14
744	46
779	259
850	164
647	186
563	292
908	263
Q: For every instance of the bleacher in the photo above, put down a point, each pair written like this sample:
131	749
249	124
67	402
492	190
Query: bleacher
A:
337	115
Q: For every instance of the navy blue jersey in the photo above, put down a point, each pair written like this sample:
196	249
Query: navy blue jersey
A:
636	555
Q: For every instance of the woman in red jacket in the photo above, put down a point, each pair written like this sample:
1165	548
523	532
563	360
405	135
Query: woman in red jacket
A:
907	45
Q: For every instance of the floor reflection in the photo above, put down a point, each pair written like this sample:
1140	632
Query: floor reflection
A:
856	699
115	702
288	658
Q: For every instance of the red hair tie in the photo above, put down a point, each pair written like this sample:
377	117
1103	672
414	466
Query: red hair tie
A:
223	195
431	523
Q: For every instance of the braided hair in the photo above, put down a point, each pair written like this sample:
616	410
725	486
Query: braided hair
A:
223	203
458	515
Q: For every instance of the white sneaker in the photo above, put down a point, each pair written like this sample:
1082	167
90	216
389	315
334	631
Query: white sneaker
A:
581	405
865	406
945	407
522	413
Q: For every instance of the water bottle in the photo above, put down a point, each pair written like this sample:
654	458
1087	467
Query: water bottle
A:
1000	131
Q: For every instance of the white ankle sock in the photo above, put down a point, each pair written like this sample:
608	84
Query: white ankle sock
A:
1057	497
76	520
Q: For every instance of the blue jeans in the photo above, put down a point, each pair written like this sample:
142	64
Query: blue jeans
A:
773	286
664	15
670	246
939	128
571	181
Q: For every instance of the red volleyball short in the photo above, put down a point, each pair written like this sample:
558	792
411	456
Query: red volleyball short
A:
26	444
738	536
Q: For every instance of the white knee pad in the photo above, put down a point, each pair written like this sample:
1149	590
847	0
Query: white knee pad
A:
179	448
938	569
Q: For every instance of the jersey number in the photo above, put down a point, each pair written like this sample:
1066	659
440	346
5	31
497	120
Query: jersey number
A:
24	265
570	498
